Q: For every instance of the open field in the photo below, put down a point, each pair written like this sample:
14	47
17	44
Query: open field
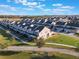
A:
34	55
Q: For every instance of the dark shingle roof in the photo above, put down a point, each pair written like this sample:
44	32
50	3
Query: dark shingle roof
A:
39	28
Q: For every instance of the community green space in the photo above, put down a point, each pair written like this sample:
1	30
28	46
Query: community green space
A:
63	39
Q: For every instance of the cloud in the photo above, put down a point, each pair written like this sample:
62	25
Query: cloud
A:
57	5
28	9
2	12
55	10
8	0
26	3
47	10
21	1
40	6
60	10
31	4
41	0
68	7
8	7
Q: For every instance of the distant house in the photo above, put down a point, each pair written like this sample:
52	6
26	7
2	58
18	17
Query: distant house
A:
58	29
45	32
70	30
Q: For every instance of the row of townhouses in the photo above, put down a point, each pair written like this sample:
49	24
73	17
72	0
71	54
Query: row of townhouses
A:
41	27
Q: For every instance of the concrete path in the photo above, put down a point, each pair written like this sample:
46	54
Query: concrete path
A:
44	49
61	45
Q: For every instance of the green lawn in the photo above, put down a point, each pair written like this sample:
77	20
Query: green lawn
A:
35	55
6	39
63	39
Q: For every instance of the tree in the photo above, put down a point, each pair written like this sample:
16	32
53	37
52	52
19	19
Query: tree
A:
40	42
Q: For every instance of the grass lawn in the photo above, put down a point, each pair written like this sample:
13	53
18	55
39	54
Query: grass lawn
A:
63	39
35	55
6	39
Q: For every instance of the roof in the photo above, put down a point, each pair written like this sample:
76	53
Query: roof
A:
39	28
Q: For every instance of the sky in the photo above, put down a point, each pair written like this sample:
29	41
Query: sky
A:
39	7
